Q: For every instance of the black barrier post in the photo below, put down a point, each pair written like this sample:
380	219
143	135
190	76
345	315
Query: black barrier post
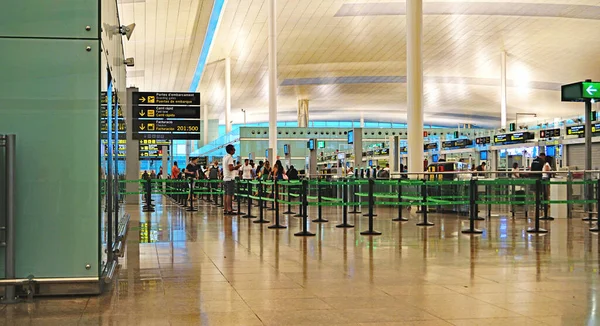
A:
476	198
319	218
424	209
370	231
546	216
192	208
596	229
239	197
537	229
590	216
488	193
289	199
148	207
300	206
304	200
345	223
220	194
277	225
355	198
514	198
261	215
472	209
249	192
400	218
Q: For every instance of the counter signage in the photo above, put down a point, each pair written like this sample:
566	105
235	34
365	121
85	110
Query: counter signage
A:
430	146
459	143
403	149
499	139
385	151
369	153
518	137
576	130
122	148
550	133
160	142
377	152
483	140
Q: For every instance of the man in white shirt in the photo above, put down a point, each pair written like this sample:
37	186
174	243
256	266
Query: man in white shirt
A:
229	173
247	171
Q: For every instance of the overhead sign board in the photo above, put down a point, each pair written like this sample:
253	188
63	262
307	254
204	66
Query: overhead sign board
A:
187	126
160	142
166	112
152	98
518	137
121	153
581	91
104	126
166	115
550	133
150	152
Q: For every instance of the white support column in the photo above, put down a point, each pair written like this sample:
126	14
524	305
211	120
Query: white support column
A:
362	120
205	124
273	77
503	91
414	83
227	95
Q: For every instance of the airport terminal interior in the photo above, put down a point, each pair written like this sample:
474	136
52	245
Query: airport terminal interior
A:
300	162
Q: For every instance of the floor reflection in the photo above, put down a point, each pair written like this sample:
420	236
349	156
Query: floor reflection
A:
204	268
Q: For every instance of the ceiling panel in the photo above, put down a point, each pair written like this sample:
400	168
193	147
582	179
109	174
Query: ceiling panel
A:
321	40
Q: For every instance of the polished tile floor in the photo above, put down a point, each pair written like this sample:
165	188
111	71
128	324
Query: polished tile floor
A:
206	269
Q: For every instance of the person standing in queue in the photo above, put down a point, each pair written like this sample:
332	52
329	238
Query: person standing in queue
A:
174	171
214	174
229	173
537	165
191	173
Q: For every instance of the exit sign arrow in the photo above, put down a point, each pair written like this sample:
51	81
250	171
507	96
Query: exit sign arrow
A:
591	90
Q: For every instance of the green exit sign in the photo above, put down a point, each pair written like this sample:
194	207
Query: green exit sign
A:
591	90
580	92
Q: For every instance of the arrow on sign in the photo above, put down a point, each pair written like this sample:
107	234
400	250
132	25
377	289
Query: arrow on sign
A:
142	99
142	127
591	90
142	113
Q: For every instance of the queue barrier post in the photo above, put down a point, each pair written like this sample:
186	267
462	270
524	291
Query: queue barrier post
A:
319	218
261	215
148	207
537	229
289	199
400	218
249	192
220	194
424	209
473	212
370	231
277	224
355	198
546	216
191	196
239	197
596	229
304	232
345	223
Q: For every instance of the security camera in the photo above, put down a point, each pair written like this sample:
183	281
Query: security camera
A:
127	30
129	62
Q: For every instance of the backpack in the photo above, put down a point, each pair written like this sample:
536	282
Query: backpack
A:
213	174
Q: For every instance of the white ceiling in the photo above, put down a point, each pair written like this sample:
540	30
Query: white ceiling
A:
349	57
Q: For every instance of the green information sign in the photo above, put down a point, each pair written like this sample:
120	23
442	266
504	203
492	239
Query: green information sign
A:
591	90
580	92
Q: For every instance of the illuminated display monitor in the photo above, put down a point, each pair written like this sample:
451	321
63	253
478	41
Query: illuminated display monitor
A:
311	145
483	155
351	137
321	144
